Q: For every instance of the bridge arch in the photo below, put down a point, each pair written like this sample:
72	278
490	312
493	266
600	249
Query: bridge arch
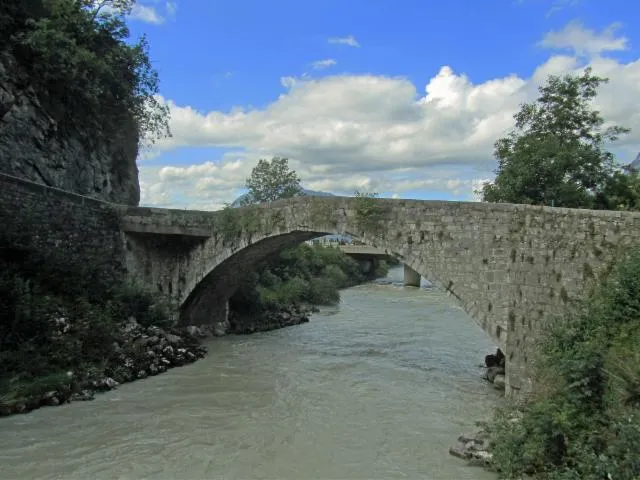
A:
222	260
205	302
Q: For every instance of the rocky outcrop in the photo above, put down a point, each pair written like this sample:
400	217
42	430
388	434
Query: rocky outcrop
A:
270	320
33	147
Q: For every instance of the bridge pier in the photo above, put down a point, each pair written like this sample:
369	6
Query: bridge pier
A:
411	277
209	310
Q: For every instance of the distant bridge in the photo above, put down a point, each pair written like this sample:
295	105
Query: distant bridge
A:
363	250
369	253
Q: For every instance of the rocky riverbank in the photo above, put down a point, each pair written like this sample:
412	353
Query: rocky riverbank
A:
139	353
269	320
476	447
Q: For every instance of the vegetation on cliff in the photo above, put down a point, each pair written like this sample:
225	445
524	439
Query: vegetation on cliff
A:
76	55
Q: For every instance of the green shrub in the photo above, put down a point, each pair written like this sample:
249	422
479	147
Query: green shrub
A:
322	291
302	274
336	276
148	309
26	386
382	268
46	328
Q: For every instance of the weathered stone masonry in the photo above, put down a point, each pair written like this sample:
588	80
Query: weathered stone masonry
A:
83	231
511	267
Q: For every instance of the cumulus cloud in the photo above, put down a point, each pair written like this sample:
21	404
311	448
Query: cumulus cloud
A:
582	41
147	13
321	64
378	133
348	40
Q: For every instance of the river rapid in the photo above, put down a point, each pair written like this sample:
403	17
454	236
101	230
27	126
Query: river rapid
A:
377	387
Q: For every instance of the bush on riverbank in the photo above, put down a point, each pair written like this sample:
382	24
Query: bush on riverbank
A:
56	319
584	421
297	276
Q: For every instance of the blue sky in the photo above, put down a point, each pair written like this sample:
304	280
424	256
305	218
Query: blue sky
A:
341	88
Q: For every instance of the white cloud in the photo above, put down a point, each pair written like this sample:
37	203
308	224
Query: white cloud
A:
147	14
321	64
559	5
348	40
151	13
555	7
376	133
171	8
581	41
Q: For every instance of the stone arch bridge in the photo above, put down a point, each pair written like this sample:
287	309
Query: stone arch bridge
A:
510	267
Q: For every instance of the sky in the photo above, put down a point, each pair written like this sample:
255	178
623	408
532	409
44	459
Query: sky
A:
400	97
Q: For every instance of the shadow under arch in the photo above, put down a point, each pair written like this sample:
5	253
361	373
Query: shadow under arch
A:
207	303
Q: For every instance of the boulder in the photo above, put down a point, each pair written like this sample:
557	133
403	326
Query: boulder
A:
499	382
194	332
156	331
220	329
459	452
131	326
50	399
492	372
494	360
469	437
481	458
104	384
82	396
173	339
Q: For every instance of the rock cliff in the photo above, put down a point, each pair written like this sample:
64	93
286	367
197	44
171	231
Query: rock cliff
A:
34	148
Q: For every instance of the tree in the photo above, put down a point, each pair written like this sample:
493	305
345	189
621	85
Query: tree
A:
622	191
555	154
77	56
272	180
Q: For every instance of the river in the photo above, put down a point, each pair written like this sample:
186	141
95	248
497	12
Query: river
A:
377	387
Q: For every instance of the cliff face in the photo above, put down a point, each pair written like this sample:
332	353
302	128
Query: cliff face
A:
34	148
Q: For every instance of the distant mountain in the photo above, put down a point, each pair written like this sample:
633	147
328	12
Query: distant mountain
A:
311	193
636	163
